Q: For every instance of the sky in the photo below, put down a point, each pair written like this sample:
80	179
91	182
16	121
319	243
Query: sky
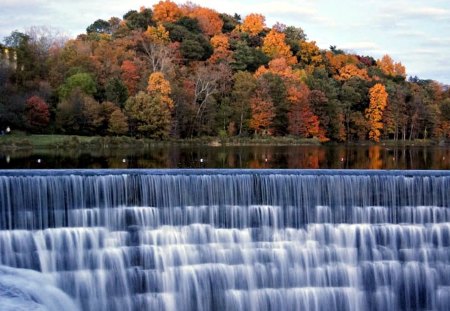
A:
415	32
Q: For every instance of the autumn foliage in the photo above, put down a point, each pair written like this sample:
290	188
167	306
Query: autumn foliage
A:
38	114
263	112
166	11
184	71
275	47
253	24
208	20
391	68
130	76
374	114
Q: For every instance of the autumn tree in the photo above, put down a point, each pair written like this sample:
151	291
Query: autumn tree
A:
302	121
352	71
130	76
37	113
309	55
166	11
374	114
155	45
262	111
209	20
149	116
253	24
221	46
391	68
275	47
159	86
117	123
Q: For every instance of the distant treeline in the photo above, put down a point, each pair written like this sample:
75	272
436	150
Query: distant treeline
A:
188	71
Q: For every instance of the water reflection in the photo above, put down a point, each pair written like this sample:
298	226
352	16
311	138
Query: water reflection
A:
307	157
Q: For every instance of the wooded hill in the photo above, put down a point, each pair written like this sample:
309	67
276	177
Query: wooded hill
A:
187	71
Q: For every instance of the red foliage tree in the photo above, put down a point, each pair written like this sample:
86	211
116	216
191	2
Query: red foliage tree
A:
38	114
130	76
302	121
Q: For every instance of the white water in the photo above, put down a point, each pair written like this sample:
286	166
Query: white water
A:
228	240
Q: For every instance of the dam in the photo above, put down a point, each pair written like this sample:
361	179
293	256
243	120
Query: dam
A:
230	240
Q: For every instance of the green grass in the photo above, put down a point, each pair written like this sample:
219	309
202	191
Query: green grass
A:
19	140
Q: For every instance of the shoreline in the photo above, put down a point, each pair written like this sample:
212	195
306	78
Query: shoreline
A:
31	142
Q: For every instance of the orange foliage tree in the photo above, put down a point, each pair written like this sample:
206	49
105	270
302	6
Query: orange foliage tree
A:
221	46
253	24
209	20
349	71
166	11
275	46
390	68
262	110
374	114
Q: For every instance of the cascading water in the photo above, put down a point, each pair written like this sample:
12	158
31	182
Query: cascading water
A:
224	240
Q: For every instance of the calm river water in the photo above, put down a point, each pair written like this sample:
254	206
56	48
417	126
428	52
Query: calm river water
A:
176	156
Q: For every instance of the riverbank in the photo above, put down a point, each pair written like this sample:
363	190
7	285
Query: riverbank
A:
22	141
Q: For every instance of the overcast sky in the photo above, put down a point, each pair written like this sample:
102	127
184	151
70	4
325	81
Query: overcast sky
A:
415	32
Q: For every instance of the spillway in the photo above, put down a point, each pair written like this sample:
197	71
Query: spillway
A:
235	240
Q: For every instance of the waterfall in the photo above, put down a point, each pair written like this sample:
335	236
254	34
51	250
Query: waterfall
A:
230	240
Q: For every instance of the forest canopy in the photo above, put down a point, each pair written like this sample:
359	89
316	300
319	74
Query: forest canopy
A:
186	71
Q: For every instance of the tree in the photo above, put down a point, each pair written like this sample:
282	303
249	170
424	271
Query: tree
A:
166	11
117	123
302	121
221	46
37	113
139	20
155	45
253	24
159	86
374	114
149	115
244	85
209	20
99	26
116	92
309	55
262	110
82	81
275	47
390	68
248	58
351	71
130	76
207	81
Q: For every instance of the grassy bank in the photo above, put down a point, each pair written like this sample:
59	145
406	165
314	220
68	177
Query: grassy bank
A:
21	141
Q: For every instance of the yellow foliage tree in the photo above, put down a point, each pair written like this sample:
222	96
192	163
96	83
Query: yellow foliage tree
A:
310	55
253	24
275	46
158	85
157	34
374	114
166	11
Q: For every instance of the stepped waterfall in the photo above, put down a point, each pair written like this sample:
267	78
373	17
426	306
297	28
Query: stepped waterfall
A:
198	240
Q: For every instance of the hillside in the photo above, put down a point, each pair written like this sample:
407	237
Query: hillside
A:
182	71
